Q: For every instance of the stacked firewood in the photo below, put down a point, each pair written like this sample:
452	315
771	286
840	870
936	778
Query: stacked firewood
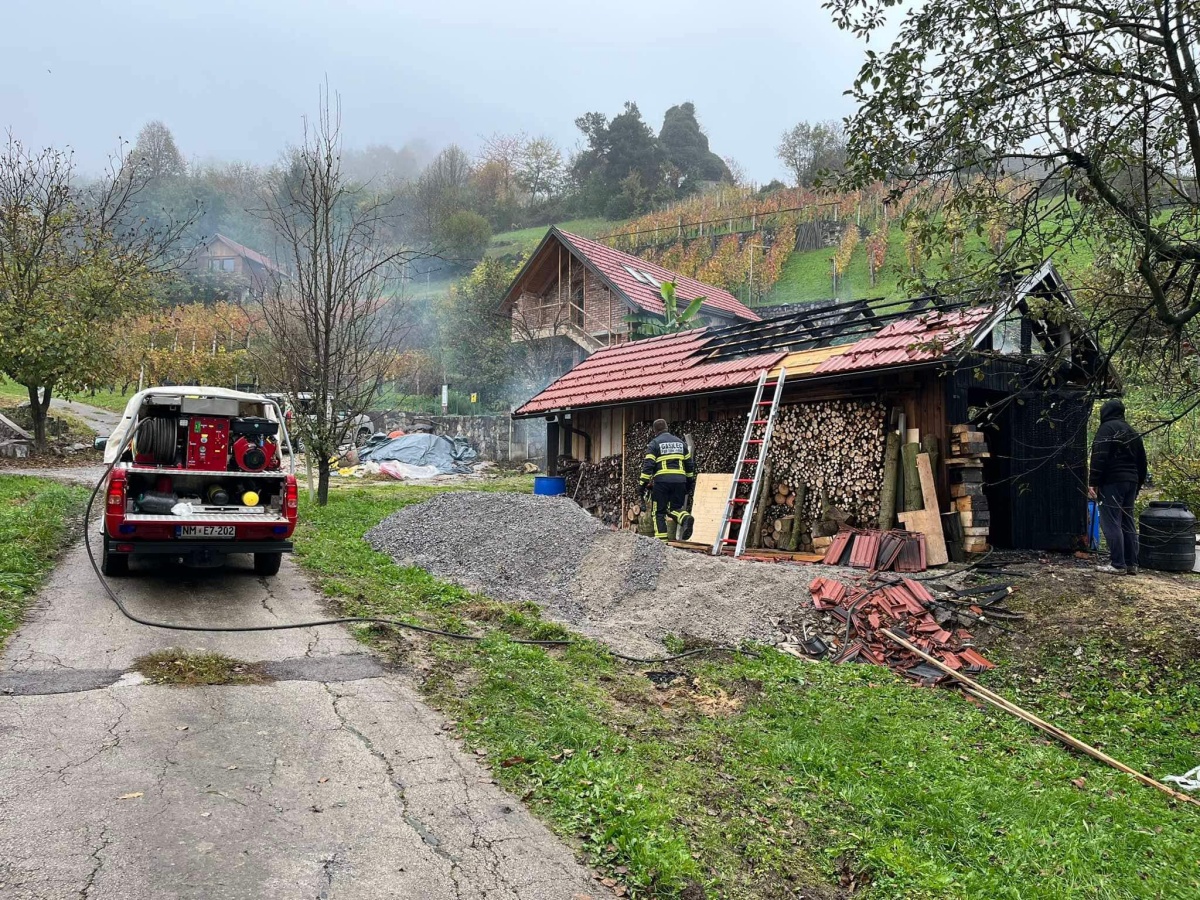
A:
968	449
828	454
714	449
595	486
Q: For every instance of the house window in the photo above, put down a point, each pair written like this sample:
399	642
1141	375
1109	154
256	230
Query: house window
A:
222	264
644	277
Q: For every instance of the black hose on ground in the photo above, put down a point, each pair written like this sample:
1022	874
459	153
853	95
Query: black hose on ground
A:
340	620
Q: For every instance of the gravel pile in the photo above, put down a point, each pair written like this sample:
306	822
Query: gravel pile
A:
619	587
509	546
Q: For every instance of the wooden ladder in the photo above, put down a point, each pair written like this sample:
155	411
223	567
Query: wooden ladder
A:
739	510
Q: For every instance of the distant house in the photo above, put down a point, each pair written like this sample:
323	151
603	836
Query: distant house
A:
220	255
575	294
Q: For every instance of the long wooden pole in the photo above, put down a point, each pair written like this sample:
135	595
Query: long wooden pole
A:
978	690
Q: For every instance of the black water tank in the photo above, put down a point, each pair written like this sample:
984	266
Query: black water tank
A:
1167	537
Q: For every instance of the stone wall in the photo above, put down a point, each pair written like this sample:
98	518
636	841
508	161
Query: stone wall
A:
498	439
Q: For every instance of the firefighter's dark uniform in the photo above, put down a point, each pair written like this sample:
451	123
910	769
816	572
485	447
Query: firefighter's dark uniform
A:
669	471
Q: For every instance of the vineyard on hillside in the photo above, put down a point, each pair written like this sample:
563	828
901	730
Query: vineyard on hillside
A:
739	241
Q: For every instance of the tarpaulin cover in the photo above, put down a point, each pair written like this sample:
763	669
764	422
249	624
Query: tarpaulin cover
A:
449	457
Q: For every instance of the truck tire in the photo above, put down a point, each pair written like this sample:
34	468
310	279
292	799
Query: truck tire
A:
113	565
363	435
267	564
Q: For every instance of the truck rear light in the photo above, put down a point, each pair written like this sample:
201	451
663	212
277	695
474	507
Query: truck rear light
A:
291	500
116	495
124	548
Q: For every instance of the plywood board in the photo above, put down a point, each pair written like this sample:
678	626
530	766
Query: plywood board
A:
708	507
928	521
928	485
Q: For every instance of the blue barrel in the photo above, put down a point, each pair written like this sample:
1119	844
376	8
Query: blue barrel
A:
549	485
1093	525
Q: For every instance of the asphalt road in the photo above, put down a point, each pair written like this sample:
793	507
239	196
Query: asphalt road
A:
333	782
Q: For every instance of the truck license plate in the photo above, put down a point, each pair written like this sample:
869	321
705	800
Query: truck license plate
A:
206	531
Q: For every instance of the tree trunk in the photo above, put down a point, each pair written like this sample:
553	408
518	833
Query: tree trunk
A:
323	481
913	499
38	409
891	469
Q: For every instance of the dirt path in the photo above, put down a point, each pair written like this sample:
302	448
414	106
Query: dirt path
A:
334	781
101	421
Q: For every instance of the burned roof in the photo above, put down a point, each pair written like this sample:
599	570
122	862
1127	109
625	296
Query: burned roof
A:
822	323
824	340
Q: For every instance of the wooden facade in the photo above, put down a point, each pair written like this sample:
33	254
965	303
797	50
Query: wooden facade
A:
1025	379
1036	480
562	298
562	293
221	256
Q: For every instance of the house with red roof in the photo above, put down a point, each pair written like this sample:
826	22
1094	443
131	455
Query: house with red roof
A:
1017	363
574	295
223	256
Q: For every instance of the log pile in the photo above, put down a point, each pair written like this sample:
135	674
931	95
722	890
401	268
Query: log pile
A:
968	449
715	449
595	486
827	455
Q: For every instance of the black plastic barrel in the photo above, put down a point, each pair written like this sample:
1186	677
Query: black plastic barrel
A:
1167	537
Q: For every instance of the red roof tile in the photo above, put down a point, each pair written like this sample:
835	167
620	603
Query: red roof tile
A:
674	365
665	366
921	338
612	264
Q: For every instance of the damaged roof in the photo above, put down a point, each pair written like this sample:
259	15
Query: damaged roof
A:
669	366
829	341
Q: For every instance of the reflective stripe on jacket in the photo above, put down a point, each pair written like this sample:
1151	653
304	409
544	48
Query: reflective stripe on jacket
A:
668	458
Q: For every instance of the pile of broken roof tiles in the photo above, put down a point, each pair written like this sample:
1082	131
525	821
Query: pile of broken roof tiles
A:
879	551
908	609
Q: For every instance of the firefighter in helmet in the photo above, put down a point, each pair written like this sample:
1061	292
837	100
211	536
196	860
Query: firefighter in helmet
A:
669	477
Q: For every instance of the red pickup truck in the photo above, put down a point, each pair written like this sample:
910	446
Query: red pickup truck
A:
197	475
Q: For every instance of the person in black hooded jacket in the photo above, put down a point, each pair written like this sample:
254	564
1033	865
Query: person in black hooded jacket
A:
1116	474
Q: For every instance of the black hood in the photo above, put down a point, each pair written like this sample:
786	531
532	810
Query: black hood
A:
1112	409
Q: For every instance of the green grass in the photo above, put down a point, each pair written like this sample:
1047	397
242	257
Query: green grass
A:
517	243
195	668
33	523
771	777
112	400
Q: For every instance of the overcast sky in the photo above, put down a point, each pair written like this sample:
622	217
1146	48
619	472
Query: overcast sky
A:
232	78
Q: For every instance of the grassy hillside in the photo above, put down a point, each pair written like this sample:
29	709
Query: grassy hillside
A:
518	243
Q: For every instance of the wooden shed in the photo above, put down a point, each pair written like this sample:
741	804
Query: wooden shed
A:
1016	363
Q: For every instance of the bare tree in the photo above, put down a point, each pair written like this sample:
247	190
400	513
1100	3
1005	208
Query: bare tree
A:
536	329
505	151
332	323
73	260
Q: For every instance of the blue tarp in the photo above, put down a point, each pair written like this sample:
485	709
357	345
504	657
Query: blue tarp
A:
449	457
